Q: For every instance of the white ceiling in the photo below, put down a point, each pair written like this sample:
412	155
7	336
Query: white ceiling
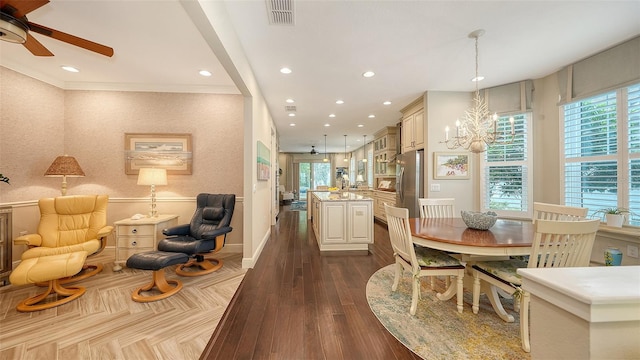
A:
412	46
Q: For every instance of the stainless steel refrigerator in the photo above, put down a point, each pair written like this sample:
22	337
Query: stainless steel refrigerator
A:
410	181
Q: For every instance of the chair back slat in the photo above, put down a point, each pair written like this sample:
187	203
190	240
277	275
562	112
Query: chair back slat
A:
563	243
544	211
437	208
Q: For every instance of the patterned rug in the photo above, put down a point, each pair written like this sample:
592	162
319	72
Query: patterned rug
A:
298	206
438	331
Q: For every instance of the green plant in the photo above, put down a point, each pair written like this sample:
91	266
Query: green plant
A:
613	211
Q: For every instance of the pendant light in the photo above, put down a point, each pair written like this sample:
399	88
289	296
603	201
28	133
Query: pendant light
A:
364	149
345	149
326	159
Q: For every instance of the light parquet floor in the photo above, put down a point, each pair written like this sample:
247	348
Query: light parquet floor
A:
105	323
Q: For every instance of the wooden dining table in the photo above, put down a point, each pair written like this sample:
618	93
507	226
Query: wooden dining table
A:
505	238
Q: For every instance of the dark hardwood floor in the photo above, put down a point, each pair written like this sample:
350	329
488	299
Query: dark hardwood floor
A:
298	304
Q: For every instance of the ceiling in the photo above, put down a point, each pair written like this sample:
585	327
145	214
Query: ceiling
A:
412	46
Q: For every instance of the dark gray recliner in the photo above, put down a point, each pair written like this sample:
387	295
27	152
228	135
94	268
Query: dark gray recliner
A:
206	234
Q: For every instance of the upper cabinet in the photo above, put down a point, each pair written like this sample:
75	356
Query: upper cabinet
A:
384	149
412	137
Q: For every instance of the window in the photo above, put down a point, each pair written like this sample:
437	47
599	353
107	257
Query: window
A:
505	171
602	152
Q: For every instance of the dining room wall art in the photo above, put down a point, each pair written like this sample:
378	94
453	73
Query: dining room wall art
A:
451	165
172	152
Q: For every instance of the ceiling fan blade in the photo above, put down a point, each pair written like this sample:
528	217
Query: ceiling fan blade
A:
36	47
22	7
70	39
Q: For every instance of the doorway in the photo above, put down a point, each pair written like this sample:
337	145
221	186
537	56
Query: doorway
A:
311	175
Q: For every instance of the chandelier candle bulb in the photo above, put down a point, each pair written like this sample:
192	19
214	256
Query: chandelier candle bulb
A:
446	133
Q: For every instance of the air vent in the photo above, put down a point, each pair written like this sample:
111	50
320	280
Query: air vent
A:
280	12
290	108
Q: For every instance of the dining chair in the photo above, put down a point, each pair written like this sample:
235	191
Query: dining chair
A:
420	261
557	212
434	208
556	243
437	208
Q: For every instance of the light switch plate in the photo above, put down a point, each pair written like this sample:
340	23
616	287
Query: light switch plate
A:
435	187
632	251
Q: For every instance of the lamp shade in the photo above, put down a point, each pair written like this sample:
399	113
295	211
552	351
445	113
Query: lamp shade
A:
152	176
65	166
359	178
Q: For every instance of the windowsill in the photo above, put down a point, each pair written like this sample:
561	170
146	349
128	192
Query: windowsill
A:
628	233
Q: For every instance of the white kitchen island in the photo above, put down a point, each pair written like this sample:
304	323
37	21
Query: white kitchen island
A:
341	221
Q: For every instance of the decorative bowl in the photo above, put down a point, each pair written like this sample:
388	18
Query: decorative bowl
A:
479	220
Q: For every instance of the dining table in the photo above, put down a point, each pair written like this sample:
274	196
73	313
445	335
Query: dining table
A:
505	238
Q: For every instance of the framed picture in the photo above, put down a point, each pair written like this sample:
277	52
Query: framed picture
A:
451	166
264	162
168	151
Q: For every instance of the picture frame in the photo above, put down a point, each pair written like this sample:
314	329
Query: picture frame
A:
263	161
451	165
172	152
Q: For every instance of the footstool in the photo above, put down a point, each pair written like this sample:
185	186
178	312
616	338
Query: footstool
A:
49	270
156	261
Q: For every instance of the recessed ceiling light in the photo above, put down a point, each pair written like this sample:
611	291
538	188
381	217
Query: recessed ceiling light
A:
292	124
327	125
360	125
479	78
368	74
204	73
285	70
290	101
70	69
332	115
339	102
292	114
386	103
371	116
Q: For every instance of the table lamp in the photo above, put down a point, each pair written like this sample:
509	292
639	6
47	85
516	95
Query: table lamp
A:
64	166
359	180
153	177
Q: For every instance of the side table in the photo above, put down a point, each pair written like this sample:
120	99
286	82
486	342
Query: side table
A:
135	236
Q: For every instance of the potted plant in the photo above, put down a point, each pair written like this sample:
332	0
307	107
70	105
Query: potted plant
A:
614	216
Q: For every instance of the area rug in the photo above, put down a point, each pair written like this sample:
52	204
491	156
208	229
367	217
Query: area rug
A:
298	206
438	331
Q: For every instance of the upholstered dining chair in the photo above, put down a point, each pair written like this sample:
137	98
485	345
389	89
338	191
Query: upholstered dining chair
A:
434	208
420	261
70	224
206	234
556	243
557	212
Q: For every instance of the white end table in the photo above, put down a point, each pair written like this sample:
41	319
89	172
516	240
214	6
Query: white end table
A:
135	236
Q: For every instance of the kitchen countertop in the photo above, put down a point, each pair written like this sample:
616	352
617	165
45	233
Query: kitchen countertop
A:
343	196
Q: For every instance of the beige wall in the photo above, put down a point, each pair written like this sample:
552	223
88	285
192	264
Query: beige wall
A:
39	122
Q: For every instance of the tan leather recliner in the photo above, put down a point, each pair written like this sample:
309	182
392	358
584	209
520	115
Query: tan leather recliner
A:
69	224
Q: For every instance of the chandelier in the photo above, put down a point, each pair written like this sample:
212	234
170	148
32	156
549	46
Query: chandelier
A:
478	128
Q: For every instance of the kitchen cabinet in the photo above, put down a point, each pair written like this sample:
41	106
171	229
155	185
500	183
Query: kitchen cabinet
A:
342	221
384	151
382	197
412	135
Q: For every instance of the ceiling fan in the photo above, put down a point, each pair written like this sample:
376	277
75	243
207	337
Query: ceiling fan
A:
313	150
15	28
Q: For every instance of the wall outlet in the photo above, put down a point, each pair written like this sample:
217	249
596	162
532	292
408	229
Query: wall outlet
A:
23	233
632	251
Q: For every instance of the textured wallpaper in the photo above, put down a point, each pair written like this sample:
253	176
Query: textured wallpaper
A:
39	122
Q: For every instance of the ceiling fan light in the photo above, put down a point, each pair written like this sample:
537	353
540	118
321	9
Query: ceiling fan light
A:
12	30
